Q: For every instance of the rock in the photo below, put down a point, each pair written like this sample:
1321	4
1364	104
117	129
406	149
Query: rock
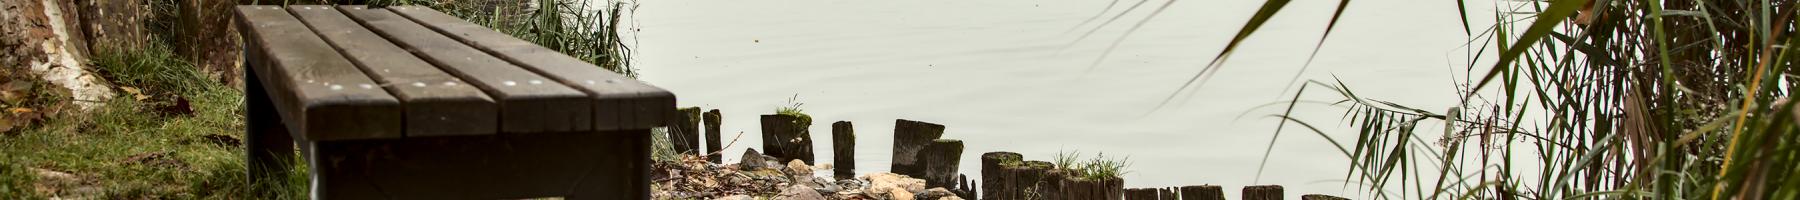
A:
894	186
799	168
752	161
735	197
936	193
951	198
799	192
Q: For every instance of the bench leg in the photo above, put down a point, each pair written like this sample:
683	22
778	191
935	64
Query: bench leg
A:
270	151
602	183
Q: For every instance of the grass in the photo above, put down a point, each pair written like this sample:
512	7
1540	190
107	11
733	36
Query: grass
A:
135	149
792	108
181	139
1673	99
1099	167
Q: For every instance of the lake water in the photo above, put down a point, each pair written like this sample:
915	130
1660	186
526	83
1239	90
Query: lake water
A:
1010	75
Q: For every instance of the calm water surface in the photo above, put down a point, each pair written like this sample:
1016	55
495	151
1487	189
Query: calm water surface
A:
1010	75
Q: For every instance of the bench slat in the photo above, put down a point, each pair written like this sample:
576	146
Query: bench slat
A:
436	103
321	95
528	102
621	102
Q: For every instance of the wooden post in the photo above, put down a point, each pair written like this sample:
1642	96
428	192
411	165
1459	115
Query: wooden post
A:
1262	192
843	150
711	119
1020	180
1321	197
991	163
1053	184
1140	194
786	137
966	188
910	137
1111	188
684	133
939	161
1167	193
1202	192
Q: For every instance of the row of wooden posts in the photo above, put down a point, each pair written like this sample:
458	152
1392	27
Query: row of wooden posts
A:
919	151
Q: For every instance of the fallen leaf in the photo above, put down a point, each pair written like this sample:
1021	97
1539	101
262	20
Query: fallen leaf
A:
135	93
20	111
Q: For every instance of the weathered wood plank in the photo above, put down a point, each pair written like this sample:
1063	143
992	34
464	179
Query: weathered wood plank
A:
528	102
320	95
633	104
436	103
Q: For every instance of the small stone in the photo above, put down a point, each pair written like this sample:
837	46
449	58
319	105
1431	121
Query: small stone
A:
799	168
799	192
936	193
893	185
752	161
735	197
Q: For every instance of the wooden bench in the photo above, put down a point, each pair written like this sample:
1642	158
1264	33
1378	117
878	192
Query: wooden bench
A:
410	103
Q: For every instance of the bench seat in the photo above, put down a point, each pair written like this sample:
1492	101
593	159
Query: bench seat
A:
408	102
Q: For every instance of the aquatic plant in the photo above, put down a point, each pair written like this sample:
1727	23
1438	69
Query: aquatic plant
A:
1673	99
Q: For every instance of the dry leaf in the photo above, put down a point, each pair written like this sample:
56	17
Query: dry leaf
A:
135	93
20	111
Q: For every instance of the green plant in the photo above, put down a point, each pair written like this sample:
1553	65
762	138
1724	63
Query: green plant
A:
792	108
1672	99
1099	167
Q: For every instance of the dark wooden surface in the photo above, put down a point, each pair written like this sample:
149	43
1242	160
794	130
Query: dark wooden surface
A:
991	172
843	150
581	165
938	162
1202	192
384	107
320	95
712	120
624	103
528	102
787	137
1262	192
909	138
435	102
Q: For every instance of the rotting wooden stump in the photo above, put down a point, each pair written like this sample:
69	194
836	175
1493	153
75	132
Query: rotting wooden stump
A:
991	163
410	103
1111	188
939	161
1168	193
1321	197
966	188
1262	192
684	133
786	137
1140	194
1202	192
712	120
843	150
1020	180
909	138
